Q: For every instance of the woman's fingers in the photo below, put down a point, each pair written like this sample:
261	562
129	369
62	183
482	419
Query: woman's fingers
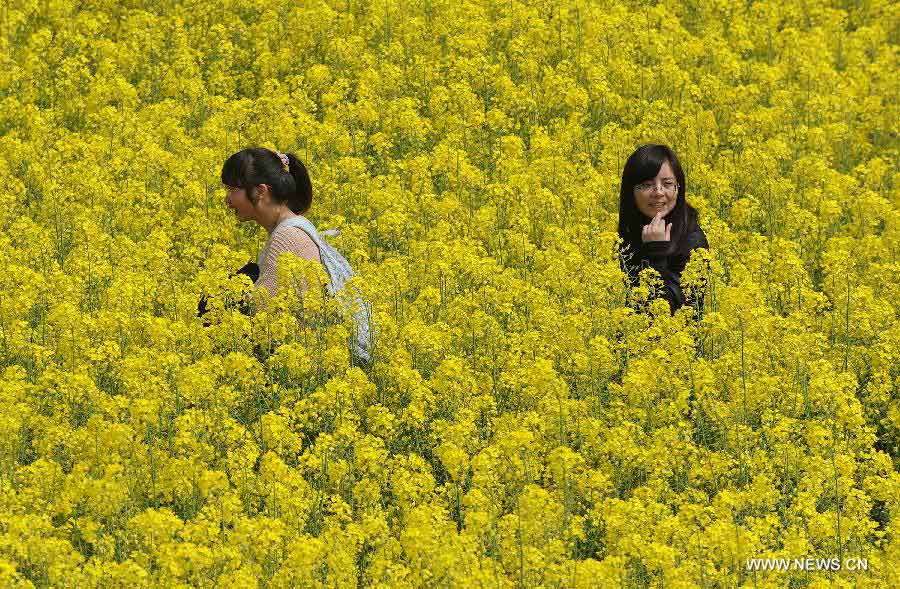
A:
657	229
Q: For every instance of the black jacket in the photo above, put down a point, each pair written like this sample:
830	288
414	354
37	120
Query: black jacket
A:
670	267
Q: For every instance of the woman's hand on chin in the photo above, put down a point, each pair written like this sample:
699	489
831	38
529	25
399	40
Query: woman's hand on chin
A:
657	229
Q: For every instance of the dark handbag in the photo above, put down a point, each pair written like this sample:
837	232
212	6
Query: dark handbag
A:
250	269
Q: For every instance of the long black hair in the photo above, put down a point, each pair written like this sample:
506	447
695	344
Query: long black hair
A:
253	166
644	164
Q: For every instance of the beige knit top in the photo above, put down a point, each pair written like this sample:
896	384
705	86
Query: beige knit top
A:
285	239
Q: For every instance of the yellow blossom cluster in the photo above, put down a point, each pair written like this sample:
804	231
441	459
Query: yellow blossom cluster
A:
518	425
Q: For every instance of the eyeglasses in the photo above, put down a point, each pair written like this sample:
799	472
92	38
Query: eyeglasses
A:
667	186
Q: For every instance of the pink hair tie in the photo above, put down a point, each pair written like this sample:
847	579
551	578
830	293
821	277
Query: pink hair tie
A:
284	160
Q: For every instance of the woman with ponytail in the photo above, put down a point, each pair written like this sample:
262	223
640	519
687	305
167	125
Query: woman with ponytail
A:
274	190
270	188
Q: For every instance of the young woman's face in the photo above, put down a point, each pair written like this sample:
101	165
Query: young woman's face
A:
236	199
657	194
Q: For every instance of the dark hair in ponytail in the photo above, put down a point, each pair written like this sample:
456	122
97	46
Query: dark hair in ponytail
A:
253	166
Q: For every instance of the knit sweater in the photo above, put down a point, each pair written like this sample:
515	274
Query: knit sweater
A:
284	239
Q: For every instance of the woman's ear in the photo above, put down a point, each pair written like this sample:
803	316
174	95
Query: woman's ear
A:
258	193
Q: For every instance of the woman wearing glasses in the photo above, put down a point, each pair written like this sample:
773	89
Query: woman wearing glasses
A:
658	227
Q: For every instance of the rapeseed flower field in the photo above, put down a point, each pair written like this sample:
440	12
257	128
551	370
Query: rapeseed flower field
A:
519	424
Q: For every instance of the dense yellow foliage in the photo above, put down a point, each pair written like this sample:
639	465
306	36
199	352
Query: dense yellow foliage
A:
519	426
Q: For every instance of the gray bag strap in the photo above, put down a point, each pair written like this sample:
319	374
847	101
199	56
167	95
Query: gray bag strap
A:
339	271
